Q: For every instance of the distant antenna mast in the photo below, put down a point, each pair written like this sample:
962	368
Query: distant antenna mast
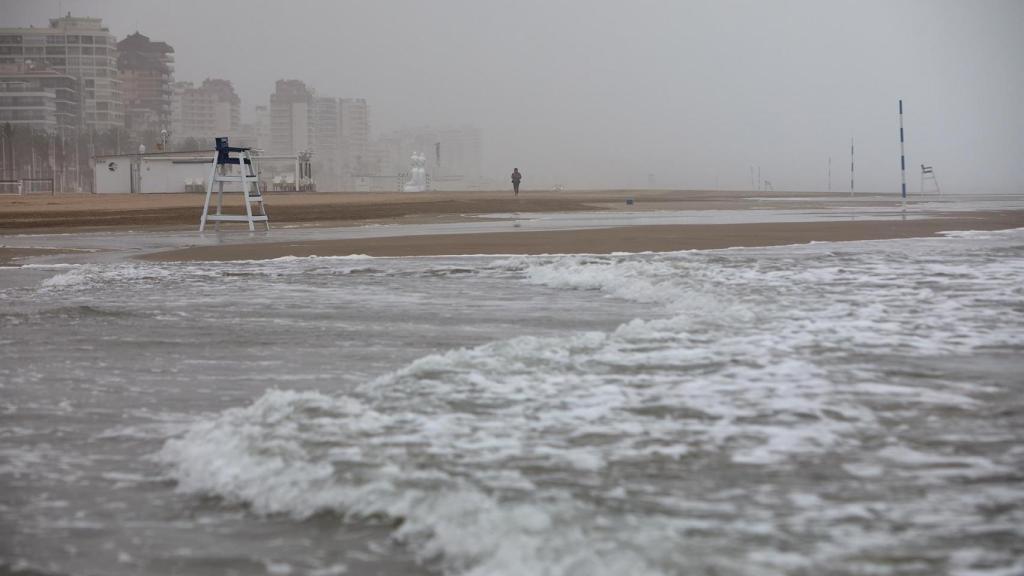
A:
903	161
851	166
829	174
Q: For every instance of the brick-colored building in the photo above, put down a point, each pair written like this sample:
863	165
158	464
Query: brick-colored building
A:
146	71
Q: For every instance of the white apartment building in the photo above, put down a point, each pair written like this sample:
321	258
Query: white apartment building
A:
261	125
80	47
355	135
40	99
292	117
326	145
335	130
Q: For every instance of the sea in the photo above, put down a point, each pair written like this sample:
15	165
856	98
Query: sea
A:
829	408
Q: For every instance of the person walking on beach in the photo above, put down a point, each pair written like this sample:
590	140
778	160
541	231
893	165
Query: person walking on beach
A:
516	177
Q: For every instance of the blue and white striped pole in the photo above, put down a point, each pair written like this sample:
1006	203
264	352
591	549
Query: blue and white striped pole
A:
903	161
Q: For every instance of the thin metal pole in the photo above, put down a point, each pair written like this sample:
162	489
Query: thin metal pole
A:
830	174
851	166
903	161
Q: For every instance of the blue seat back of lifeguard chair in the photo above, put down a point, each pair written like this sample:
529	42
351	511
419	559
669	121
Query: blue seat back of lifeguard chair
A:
223	151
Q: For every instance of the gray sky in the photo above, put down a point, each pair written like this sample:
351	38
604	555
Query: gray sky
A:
599	94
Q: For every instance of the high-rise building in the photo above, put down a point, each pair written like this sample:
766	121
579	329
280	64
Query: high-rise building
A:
262	127
80	47
42	99
326	142
335	130
291	117
206	111
355	134
146	71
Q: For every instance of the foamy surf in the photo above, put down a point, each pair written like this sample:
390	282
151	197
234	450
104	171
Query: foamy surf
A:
537	455
829	408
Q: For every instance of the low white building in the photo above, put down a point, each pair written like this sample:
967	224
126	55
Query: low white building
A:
176	172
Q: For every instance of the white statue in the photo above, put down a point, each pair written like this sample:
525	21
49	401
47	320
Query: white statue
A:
417	173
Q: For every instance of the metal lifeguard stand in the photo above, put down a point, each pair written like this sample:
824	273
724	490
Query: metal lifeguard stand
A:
928	175
247	177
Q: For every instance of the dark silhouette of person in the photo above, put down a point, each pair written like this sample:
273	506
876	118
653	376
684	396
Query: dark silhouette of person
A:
516	177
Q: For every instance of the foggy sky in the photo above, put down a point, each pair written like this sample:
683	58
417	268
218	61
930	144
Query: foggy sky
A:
600	94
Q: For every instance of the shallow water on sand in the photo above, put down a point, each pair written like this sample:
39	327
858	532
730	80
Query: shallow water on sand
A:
832	408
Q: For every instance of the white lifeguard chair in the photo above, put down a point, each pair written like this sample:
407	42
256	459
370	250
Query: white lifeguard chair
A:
220	172
928	175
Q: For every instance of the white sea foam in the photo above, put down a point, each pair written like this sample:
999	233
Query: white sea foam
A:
549	454
91	275
984	234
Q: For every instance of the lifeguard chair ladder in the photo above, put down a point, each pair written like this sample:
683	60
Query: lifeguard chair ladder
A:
221	172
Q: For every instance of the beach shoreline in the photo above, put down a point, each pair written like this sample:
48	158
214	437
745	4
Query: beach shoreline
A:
161	227
658	238
178	211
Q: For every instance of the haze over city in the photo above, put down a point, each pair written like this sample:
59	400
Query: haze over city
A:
609	94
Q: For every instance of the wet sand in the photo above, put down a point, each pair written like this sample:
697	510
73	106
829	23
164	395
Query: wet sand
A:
14	256
83	212
662	238
837	218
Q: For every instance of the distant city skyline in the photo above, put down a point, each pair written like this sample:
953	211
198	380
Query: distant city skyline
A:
608	94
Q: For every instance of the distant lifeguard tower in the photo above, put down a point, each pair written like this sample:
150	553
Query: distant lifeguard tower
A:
247	177
928	175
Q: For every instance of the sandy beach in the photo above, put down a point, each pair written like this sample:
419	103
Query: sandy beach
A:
80	212
665	238
397	216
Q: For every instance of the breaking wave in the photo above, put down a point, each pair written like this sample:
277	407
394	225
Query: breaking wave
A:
738	422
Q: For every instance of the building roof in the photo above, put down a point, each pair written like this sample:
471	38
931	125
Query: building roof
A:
224	90
137	52
141	43
78	22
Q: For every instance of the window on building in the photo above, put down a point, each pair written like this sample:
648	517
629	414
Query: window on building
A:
10	39
55	50
73	39
54	39
86	39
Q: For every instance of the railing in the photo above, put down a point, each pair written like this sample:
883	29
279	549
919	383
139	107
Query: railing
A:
28	186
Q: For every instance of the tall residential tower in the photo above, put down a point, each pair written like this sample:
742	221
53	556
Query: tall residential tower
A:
80	47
